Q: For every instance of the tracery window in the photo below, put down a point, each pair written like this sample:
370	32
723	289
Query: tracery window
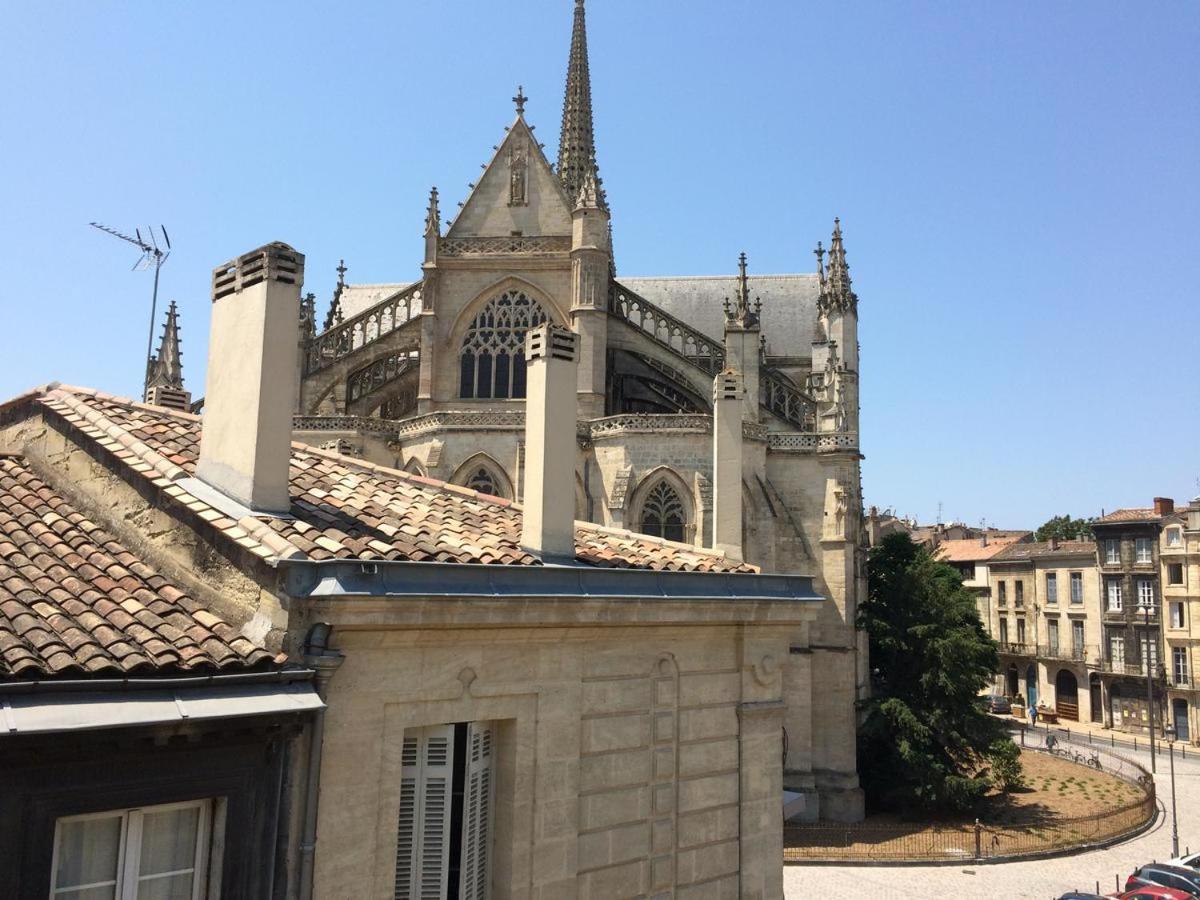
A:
663	513
483	481
492	357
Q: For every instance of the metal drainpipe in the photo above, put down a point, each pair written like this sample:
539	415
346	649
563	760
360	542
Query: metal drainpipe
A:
325	660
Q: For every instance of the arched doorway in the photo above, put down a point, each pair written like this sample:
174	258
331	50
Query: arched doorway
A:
1011	681
1179	713
1031	685
1066	695
1097	701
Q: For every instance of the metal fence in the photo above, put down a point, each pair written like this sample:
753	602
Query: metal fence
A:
914	842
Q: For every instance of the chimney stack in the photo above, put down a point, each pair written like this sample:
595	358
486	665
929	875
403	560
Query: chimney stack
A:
1163	506
245	446
548	523
1194	514
728	391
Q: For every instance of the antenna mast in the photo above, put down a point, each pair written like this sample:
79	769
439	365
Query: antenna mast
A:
152	255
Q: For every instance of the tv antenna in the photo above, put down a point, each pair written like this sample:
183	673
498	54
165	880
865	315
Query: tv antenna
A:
152	255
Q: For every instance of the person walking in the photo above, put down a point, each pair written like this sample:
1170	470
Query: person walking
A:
1033	715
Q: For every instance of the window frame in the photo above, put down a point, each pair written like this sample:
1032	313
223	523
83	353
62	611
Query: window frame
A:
1178	618
1175	537
1112	552
1113	592
1002	593
1179	654
1140	544
1052	588
129	848
1172	569
1076	578
1145	593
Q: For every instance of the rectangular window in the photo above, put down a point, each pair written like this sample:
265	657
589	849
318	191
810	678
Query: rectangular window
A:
1051	587
1077	637
446	798
1076	587
1174	573
1116	649
1179	665
1052	634
1020	631
1177	615
1143	551
1002	593
1145	588
1174	537
1112	552
147	852
1149	653
1114	596
1019	593
1004	631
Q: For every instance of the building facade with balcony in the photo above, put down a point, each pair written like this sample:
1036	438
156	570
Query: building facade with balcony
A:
1045	595
1179	555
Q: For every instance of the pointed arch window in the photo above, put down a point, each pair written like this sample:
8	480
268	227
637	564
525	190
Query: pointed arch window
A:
484	481
492	356
663	513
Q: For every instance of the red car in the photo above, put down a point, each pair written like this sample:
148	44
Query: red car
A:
1154	892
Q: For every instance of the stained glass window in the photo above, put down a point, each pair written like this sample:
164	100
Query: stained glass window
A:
492	357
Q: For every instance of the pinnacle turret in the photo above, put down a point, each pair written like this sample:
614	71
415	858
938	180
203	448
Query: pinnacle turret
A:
741	313
577	141
432	216
836	291
165	369
335	316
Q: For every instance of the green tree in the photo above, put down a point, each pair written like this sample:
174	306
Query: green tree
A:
925	740
1064	528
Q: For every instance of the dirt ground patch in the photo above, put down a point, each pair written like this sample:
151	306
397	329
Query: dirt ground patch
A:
1064	804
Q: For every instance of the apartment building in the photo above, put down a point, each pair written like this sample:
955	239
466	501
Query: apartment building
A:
1179	554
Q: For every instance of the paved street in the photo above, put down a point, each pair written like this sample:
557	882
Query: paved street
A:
1042	880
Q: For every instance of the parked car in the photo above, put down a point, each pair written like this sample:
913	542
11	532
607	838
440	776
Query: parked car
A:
1083	895
1189	860
1154	892
998	703
1178	877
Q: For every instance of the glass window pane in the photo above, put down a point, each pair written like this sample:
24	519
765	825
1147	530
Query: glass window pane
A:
92	893
171	887
169	840
87	851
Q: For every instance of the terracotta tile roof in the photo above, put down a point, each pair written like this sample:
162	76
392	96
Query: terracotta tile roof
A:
349	509
971	550
1041	549
1133	514
74	601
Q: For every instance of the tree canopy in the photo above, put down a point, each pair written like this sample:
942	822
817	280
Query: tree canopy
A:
1064	528
925	740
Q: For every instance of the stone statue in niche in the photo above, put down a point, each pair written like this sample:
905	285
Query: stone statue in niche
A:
838	509
517	177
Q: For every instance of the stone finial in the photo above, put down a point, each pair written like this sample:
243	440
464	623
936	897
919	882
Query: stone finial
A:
741	313
335	316
837	294
308	316
432	216
164	371
589	193
520	100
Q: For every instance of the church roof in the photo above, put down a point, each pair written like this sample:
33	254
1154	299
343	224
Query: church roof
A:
74	600
357	298
343	508
789	305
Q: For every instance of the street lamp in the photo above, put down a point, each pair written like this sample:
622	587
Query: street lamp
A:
1148	610
1169	732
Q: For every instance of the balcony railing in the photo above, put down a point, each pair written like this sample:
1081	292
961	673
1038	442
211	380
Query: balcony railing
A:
1016	648
1123	667
1065	651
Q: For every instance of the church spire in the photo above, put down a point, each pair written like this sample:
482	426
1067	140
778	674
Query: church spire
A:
741	313
432	215
836	291
164	371
166	368
577	141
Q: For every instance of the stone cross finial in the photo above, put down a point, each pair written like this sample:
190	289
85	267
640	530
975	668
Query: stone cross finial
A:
341	270
740	312
520	100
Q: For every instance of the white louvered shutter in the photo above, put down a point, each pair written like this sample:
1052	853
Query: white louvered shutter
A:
477	813
423	836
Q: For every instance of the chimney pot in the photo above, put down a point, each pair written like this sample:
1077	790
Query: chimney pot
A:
245	444
548	520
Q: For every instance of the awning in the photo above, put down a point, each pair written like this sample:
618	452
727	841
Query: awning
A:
44	712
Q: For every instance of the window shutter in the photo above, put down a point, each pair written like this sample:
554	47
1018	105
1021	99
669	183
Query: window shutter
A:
476	839
423	835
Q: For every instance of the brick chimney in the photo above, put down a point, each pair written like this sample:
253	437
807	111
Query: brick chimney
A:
250	394
727	463
548	523
1163	506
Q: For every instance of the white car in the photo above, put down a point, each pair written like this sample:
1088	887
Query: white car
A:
1191	860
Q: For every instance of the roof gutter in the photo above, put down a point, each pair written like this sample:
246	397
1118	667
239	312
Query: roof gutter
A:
333	578
150	683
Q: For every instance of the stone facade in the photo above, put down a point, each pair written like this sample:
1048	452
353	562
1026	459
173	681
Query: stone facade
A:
427	375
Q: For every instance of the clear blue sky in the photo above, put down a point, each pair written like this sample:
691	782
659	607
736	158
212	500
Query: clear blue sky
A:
1019	185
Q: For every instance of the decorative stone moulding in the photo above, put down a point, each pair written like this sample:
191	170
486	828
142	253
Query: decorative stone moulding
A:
504	246
803	442
362	330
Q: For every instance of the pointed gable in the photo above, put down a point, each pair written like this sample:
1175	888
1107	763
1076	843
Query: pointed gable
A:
518	192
